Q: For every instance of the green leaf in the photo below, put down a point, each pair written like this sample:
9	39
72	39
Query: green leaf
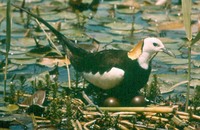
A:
186	10
8	26
196	38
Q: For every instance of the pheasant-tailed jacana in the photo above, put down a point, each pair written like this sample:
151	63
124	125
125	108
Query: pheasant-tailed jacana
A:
121	72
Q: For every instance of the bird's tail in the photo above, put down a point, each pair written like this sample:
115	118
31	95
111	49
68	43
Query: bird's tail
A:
74	49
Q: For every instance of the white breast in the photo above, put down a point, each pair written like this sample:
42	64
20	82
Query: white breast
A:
106	80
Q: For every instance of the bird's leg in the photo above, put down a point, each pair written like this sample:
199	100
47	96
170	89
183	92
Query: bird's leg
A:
90	101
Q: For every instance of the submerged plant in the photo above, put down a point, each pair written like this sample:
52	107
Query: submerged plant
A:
152	91
62	111
54	112
54	84
11	98
108	122
196	100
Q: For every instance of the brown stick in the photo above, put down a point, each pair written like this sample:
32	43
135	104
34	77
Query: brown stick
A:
157	118
135	109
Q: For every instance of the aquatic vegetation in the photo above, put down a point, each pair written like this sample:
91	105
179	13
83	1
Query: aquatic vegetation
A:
152	91
8	41
196	101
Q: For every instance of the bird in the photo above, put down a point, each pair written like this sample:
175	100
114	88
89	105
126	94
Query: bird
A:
121	73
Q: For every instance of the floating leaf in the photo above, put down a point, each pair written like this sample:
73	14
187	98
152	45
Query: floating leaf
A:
10	108
122	26
195	71
179	67
195	76
161	2
171	25
37	98
157	17
103	20
120	32
171	60
165	88
100	37
127	11
122	46
15	50
20	57
39	51
75	34
39	77
67	15
24	42
131	3
195	83
24	61
51	62
172	78
196	63
90	47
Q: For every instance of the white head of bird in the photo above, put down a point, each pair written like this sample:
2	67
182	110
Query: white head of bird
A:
151	47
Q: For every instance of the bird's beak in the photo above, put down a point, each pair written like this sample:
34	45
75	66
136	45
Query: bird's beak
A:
165	50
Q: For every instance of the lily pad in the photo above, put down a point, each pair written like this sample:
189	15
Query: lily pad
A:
196	63
157	17
9	108
51	62
173	61
19	56
67	15
195	83
195	76
24	61
37	98
75	34
122	26
15	50
127	11
39	51
195	70
165	88
104	20
23	42
179	67
120	32
39	77
122	46
172	78
171	25
101	37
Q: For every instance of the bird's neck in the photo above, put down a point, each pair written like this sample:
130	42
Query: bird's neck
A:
144	59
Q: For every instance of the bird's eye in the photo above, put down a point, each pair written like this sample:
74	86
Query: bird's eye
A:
155	44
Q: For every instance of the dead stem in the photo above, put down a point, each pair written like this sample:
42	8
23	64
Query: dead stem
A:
88	123
90	101
79	125
136	109
48	37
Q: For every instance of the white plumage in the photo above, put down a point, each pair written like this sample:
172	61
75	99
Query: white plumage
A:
107	80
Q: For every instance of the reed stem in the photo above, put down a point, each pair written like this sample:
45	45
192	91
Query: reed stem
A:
188	76
8	40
